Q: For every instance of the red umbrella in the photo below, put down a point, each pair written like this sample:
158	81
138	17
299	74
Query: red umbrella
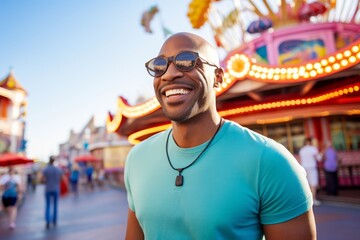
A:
311	9
86	158
9	159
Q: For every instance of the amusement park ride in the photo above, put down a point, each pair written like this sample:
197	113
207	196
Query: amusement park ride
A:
289	63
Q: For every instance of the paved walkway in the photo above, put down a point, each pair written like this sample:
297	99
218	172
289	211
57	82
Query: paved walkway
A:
101	214
94	214
337	221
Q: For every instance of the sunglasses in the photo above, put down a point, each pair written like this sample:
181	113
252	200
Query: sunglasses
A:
183	61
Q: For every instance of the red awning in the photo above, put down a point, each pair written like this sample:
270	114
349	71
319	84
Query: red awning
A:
86	158
10	159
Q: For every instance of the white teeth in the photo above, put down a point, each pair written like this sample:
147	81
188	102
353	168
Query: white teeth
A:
176	92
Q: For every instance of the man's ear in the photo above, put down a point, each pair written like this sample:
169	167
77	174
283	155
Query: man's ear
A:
219	76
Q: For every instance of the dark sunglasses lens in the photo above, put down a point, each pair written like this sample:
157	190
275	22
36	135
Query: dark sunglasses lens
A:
157	66
185	61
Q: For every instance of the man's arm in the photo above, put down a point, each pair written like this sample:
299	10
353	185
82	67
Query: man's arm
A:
133	229
300	228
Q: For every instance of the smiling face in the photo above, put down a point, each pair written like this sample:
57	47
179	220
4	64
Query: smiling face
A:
184	95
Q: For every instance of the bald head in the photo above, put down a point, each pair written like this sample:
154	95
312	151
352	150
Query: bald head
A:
191	42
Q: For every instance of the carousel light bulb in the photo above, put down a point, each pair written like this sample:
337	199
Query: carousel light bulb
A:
355	49
324	62
332	59
336	66
347	53
313	73
352	59
339	56
344	62
309	66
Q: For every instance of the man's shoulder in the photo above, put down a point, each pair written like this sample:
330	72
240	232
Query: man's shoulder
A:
52	169
245	134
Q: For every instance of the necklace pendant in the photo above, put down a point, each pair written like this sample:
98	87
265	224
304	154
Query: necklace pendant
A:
179	180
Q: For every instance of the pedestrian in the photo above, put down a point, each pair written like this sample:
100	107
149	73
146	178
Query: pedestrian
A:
34	179
309	156
331	164
51	177
101	177
207	177
89	175
74	178
10	184
29	180
64	182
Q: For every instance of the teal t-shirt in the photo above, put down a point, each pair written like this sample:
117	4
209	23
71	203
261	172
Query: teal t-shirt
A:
242	181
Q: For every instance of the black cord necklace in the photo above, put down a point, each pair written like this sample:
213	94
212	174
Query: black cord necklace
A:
179	181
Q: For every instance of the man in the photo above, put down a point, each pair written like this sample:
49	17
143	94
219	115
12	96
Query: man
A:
309	155
51	177
206	177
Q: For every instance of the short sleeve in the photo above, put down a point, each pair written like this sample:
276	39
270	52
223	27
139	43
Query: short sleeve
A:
284	191
127	176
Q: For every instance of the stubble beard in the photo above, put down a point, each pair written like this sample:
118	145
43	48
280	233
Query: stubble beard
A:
191	111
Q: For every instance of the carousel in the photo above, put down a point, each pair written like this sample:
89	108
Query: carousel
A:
292	71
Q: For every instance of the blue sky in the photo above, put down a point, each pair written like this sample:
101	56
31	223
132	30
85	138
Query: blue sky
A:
75	57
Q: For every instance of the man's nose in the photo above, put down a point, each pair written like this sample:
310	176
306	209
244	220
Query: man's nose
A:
171	72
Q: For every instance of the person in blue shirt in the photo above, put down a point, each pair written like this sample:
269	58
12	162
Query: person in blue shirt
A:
74	178
51	177
89	175
207	177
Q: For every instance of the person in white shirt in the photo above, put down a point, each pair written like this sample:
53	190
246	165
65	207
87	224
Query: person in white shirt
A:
309	155
10	183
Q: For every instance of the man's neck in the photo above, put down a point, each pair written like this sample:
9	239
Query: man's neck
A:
195	131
